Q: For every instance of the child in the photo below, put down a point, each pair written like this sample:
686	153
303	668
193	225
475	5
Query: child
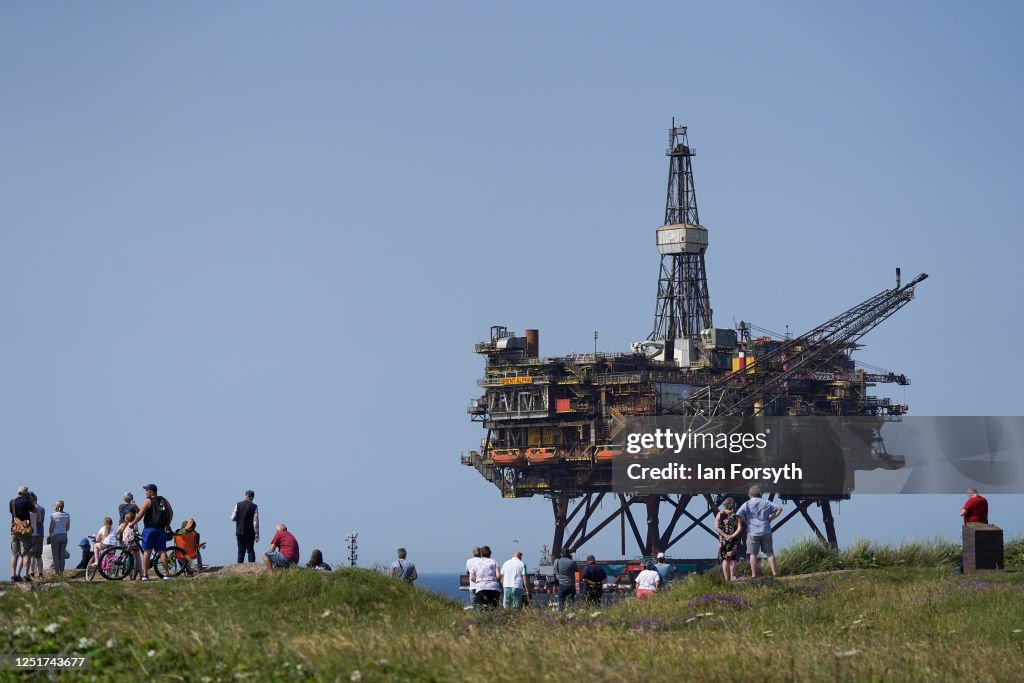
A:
126	532
105	537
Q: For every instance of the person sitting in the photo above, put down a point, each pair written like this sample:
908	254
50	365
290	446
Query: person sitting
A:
316	561
187	538
647	581
86	545
127	533
106	537
284	550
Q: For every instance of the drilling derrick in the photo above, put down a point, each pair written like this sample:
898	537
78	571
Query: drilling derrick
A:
683	310
554	426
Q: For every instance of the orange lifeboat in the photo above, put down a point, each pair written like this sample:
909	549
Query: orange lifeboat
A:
541	456
507	457
607	453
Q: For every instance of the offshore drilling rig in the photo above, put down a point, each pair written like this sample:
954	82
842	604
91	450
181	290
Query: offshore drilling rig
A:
552	423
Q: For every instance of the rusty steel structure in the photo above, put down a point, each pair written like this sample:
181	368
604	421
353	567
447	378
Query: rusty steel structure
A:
552	424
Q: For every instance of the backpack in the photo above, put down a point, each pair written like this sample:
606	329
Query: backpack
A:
160	516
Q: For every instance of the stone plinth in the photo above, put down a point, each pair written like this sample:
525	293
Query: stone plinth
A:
983	547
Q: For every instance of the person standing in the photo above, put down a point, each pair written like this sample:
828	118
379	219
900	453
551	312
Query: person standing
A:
403	568
665	571
758	515
469	572
35	564
514	582
487	577
730	527
565	575
284	550
593	576
246	517
60	525
647	581
22	510
157	514
126	506
975	510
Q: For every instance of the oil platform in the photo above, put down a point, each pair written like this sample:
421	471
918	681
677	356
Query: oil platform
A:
552	423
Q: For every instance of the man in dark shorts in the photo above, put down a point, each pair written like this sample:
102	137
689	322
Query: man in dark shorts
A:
156	514
593	576
21	544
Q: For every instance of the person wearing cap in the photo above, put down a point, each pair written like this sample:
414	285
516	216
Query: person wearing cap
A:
758	515
647	581
246	517
593	577
22	509
665	570
128	504
157	514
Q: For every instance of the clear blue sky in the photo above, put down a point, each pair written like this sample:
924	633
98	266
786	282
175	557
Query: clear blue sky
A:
252	244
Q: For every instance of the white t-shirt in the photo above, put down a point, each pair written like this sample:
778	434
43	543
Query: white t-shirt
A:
513	572
60	522
469	570
486	570
647	580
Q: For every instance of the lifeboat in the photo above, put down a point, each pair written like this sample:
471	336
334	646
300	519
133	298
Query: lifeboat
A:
607	453
541	456
507	457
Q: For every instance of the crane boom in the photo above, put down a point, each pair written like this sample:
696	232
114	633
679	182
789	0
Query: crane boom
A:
740	393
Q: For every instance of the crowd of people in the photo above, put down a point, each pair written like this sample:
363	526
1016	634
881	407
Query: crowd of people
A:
157	536
746	530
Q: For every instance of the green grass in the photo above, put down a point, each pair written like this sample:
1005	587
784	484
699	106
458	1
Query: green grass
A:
809	555
892	624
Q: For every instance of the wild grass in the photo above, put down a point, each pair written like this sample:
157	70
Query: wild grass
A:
893	623
809	555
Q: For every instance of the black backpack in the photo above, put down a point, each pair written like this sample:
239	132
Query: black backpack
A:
160	517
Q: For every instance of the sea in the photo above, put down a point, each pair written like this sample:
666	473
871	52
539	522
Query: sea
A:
446	584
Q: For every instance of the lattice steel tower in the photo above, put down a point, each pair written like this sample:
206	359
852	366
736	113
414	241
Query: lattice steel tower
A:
684	307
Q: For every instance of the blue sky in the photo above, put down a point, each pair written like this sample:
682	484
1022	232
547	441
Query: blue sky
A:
248	245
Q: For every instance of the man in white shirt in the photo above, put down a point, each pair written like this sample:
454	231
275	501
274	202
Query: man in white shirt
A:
514	581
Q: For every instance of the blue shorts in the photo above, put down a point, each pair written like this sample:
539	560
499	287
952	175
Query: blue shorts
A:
277	559
154	539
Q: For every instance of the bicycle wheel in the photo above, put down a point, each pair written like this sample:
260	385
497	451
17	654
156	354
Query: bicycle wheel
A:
90	569
177	562
115	564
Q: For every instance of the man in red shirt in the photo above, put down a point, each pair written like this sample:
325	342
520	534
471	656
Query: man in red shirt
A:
284	550
975	509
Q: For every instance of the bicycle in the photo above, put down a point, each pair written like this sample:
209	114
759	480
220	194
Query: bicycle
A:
118	562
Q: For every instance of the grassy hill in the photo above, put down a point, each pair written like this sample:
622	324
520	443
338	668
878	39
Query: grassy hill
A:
862	624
